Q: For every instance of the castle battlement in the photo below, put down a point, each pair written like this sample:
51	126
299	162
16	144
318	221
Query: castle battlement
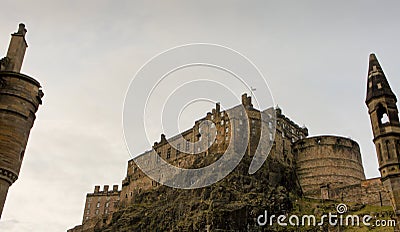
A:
101	204
106	190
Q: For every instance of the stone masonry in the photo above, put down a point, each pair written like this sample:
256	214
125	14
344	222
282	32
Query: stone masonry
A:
327	167
20	97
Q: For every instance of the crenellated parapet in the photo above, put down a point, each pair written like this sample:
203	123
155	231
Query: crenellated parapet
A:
101	203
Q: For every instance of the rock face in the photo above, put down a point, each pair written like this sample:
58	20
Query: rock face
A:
232	204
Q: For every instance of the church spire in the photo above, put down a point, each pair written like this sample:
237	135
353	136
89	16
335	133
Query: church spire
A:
377	83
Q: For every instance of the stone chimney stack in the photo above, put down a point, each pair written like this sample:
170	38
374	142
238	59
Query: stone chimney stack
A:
16	50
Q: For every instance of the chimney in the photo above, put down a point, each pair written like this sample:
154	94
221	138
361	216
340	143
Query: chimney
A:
217	107
163	139
249	102
16	50
115	188
105	188
244	99
96	189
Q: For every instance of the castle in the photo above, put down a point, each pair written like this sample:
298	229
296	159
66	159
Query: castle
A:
327	167
20	97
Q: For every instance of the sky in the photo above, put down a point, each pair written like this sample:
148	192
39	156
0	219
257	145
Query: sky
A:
313	55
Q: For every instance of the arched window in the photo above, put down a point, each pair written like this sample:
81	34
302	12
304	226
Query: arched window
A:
382	115
387	149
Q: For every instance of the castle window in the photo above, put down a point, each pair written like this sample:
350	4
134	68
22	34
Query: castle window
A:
222	114
270	125
106	212
178	149
379	85
107	204
97	212
212	125
240	122
187	146
98	204
227	129
222	122
87	211
169	153
212	117
270	137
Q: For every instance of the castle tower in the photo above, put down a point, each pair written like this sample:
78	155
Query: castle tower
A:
383	112
20	97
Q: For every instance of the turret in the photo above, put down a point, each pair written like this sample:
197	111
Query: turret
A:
20	97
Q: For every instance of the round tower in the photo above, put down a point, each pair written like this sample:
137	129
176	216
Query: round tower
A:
20	97
327	160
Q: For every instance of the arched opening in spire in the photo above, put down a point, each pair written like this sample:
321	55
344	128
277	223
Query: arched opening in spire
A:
383	117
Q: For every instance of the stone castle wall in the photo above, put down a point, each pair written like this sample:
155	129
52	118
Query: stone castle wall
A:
327	160
287	132
101	203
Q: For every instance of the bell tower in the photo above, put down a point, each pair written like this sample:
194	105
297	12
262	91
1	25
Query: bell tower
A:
20	97
383	112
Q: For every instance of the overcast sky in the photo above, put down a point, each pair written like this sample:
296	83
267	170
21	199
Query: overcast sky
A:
313	54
